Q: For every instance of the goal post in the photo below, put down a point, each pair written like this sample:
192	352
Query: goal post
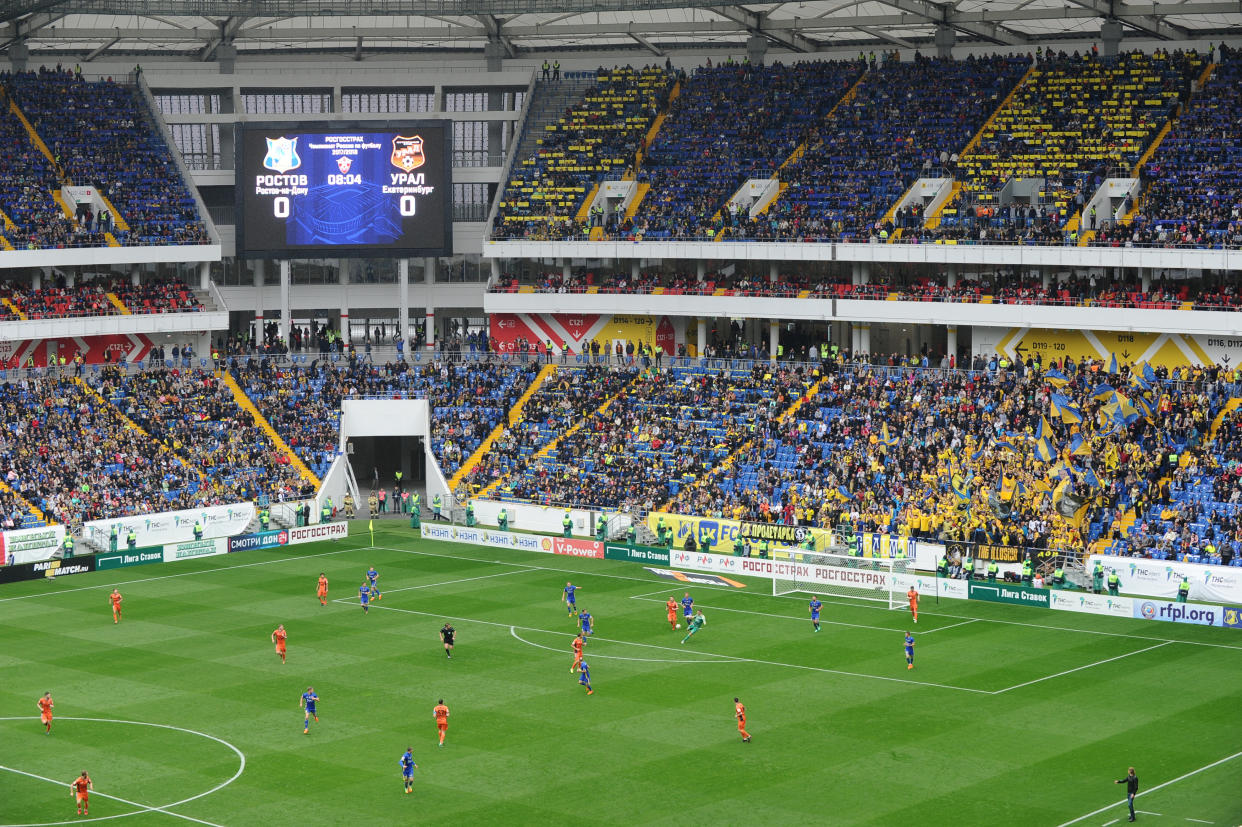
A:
879	579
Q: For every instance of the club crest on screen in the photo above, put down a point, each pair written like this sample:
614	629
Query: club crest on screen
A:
282	154
407	153
343	164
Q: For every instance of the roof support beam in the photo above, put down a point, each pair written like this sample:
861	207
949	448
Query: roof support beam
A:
646	44
495	33
937	13
1148	24
755	24
99	50
885	36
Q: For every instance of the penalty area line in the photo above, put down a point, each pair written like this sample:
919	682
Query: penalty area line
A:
1078	669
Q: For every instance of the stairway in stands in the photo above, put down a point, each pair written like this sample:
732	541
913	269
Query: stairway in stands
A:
548	102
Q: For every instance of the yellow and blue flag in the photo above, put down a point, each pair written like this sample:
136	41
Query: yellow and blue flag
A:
1055	378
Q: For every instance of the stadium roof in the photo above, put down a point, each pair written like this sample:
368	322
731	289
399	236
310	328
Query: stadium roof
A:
86	29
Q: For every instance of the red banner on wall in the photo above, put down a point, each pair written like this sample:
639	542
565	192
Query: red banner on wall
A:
95	350
515	331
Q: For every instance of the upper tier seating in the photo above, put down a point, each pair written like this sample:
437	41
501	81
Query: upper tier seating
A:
88	297
1194	180
594	140
27	179
102	135
1077	120
730	123
873	146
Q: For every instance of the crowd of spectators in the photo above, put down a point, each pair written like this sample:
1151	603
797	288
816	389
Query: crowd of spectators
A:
730	123
1193	183
55	298
1001	287
898	126
664	430
101	134
596	139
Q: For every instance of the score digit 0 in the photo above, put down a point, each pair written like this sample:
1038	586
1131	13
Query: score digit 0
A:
280	206
407	205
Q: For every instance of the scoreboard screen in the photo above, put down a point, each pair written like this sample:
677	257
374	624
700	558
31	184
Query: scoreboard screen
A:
351	191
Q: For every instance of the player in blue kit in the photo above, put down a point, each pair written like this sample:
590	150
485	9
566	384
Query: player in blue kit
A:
372	576
309	699
815	607
364	597
568	598
407	769
588	623
584	677
909	651
687	608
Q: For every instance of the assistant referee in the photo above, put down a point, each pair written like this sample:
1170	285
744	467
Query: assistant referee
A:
1131	782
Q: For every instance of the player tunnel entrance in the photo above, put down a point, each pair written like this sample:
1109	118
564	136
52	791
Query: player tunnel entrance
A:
380	437
377	459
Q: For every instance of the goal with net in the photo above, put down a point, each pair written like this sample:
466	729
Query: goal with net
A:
881	579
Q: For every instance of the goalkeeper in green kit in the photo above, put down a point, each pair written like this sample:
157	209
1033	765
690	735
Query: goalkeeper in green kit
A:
696	623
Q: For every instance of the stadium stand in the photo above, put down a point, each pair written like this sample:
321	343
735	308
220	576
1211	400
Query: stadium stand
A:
32	220
662	431
730	123
89	296
1076	120
1194	180
125	157
595	139
874	145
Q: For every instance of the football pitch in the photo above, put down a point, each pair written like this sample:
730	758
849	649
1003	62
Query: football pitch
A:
183	713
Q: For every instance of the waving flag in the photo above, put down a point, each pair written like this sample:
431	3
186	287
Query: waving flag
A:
1062	407
1055	378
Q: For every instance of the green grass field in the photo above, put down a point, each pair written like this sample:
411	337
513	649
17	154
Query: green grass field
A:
183	713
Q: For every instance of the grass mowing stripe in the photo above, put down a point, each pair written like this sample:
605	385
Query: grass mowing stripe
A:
734	658
1151	790
1079	668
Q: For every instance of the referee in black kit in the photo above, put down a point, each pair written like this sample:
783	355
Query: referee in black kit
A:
1131	782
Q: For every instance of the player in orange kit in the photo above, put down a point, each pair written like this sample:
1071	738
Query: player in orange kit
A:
739	710
80	788
913	597
578	641
116	598
278	637
442	714
45	711
322	590
671	605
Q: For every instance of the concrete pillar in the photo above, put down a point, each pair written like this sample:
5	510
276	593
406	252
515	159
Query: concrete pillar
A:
403	297
950	275
950	346
344	322
702	336
945	38
342	270
204	275
756	49
773	272
226	58
1145	274
19	54
258	300
495	268
431	328
1110	35
429	270
135	275
285	315
774	337
700	270
71	279
855	271
38	277
635	269
864	272
855	338
494	55
567	270
864	338
1047	279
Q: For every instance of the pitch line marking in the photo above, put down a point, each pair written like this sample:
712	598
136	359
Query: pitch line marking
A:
950	626
185	574
855	605
164	808
1182	777
451	582
1078	668
671	649
1108	823
513	631
1200	821
1148	813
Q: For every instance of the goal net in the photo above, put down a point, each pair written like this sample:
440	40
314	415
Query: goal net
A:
841	575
